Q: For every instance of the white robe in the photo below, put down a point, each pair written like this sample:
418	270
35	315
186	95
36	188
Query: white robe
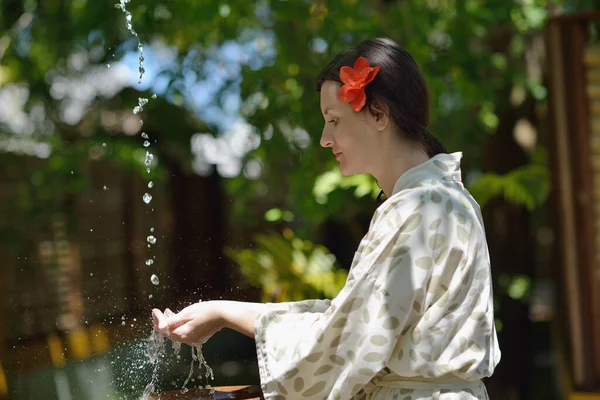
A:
415	319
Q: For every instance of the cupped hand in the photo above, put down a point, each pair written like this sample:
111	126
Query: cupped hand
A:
195	324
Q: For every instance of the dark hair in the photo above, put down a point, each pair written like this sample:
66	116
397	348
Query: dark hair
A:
399	84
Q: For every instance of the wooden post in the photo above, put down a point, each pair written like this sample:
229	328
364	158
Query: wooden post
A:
3	381
565	211
582	179
593	169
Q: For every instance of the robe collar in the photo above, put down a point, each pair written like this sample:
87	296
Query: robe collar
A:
443	166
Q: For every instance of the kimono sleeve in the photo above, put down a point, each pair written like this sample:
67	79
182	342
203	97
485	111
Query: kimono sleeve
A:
334	354
309	306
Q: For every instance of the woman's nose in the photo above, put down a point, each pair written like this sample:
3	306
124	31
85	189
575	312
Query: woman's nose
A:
326	139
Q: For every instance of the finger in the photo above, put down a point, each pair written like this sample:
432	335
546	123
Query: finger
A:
159	319
167	324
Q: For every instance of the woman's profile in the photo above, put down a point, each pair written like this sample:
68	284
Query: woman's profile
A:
415	319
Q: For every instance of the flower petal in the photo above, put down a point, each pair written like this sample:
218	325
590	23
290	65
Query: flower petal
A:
360	64
359	102
345	74
347	93
372	73
364	74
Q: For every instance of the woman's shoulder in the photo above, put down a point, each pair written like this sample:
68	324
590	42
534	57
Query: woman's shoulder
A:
428	200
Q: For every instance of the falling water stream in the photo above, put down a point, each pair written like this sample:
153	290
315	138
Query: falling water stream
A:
156	341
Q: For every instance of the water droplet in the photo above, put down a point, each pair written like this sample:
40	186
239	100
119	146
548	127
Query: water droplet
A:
151	229
150	184
151	239
144	135
104	187
149	296
103	144
149	261
147	198
91	274
154	279
146	143
148	170
107	65
149	158
123	323
154	96
137	109
91	230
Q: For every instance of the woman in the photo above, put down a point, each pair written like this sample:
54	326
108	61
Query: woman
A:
415	318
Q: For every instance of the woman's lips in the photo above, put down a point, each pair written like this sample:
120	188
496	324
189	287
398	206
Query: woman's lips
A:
337	155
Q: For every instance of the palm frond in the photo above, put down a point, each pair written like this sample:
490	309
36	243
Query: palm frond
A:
528	186
289	268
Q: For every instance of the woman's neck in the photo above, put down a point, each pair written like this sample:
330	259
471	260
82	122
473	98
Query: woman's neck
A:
396	160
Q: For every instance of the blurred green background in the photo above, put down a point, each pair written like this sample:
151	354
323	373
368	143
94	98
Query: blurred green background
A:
245	203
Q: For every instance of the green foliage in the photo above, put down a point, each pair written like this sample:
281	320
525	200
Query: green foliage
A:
527	186
288	268
474	56
329	181
458	44
518	287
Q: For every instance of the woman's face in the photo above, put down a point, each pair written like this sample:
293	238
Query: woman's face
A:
352	136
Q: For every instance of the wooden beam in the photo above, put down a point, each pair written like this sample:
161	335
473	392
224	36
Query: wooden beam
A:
585	16
584	396
583	190
593	169
3	382
563	189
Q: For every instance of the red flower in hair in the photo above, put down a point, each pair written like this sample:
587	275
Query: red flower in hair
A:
355	79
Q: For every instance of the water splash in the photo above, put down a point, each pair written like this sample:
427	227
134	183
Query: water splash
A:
156	349
142	101
122	5
149	159
156	341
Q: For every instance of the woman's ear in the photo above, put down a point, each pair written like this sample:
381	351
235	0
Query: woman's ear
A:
381	114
